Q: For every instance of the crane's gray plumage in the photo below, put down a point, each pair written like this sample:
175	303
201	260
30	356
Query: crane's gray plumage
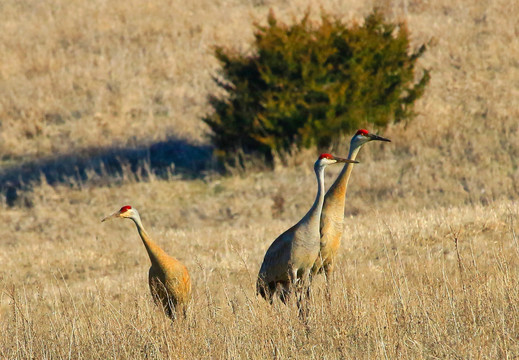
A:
332	214
291	256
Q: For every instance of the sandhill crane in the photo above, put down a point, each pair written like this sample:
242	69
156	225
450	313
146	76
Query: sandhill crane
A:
290	257
168	278
332	215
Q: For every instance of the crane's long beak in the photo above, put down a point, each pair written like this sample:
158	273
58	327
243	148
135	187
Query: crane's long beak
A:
342	160
376	137
115	214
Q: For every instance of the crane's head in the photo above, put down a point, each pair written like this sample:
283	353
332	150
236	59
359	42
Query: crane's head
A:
125	212
363	136
327	159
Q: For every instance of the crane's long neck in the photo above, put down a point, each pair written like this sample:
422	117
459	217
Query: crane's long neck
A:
336	195
313	216
154	251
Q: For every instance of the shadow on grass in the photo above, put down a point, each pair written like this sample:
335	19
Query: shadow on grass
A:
163	159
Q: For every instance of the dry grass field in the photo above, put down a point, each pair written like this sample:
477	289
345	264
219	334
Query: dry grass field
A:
430	261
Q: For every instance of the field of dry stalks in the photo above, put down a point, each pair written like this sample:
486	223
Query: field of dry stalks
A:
430	259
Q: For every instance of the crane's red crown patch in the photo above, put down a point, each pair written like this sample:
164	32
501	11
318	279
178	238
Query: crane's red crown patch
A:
325	156
125	208
362	132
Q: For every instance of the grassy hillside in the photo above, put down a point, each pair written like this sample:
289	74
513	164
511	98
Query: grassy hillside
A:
428	266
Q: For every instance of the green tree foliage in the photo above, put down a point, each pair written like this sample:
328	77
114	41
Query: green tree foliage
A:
309	82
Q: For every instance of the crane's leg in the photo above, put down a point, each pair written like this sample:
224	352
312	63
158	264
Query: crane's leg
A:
169	307
306	282
269	291
309	287
283	289
290	285
293	279
328	269
182	309
293	276
302	300
319	263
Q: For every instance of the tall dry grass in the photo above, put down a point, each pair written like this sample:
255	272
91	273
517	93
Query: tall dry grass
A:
428	268
73	288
